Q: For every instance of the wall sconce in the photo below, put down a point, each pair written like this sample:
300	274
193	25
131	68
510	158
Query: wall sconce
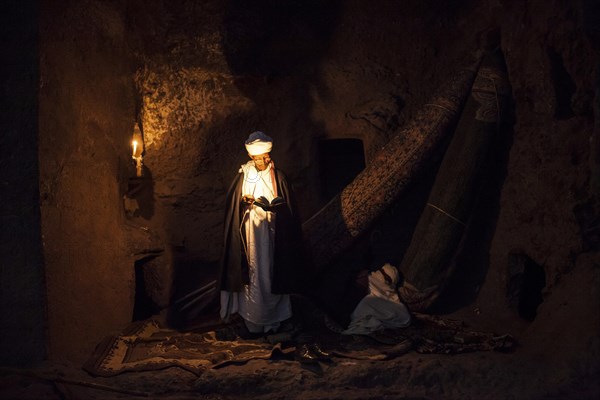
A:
137	143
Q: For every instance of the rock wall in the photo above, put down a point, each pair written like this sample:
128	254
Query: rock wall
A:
551	68
353	70
22	295
214	72
547	207
200	76
86	118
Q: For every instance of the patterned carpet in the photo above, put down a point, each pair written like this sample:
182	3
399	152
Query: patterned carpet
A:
146	346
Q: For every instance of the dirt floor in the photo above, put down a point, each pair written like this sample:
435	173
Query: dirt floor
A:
546	370
482	375
466	376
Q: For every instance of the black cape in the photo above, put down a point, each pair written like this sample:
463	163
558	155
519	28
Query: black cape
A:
290	271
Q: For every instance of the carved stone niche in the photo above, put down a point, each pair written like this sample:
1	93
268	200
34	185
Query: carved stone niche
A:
525	282
153	283
153	271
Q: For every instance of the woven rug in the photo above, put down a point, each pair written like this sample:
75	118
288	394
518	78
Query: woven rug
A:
147	346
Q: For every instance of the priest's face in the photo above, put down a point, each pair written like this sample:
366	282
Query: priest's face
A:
261	161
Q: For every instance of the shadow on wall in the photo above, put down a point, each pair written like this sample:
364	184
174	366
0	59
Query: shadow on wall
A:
272	38
139	196
274	49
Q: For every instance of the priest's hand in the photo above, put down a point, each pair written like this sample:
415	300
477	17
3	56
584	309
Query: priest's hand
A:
248	199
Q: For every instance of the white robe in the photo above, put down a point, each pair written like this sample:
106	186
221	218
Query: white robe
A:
381	308
261	310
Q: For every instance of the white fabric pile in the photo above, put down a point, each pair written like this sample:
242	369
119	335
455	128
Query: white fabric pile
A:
381	308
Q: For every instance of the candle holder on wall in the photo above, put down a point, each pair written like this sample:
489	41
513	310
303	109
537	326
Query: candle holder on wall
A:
137	143
137	199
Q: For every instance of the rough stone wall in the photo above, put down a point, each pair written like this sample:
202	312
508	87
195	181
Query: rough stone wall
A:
181	107
221	69
390	59
211	72
385	61
551	66
544	206
86	117
22	295
214	72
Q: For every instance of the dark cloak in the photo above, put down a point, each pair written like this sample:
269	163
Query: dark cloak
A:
290	271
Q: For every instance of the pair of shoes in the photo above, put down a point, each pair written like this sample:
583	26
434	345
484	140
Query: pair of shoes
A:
304	355
311	353
319	352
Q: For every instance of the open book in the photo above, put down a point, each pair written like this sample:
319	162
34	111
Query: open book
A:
263	203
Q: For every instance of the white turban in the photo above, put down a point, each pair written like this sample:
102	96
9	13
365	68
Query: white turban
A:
379	285
258	143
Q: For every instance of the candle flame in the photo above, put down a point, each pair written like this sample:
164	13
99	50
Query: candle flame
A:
134	143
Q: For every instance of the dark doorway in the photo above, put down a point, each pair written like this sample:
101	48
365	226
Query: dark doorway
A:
144	307
340	160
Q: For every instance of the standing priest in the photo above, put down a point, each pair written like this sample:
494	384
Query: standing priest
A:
263	259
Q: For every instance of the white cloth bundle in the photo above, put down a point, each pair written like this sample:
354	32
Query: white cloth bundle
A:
381	308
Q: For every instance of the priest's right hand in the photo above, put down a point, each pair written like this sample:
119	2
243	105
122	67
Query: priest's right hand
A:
248	199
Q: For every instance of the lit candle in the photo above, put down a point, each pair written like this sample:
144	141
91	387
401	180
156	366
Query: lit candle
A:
134	148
